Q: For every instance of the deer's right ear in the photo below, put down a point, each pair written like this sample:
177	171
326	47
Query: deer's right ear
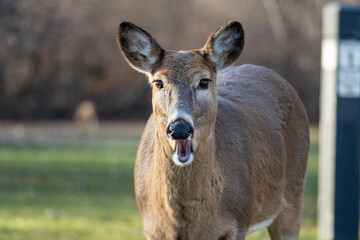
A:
139	48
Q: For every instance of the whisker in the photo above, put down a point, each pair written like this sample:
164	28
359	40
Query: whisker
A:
188	172
196	162
164	119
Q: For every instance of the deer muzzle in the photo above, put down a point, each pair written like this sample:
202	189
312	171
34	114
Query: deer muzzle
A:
181	132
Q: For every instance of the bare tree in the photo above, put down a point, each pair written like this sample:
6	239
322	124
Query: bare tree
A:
57	54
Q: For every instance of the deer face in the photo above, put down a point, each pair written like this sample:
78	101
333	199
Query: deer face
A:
184	101
184	97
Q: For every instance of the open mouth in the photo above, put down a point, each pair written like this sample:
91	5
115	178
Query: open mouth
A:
184	150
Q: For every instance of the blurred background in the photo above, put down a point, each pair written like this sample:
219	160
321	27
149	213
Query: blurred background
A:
56	54
72	110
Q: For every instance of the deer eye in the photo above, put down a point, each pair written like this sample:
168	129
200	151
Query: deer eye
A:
204	83
158	84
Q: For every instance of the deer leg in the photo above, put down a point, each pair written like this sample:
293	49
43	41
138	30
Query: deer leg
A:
276	232
287	224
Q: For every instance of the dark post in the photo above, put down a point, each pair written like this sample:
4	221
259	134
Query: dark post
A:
340	124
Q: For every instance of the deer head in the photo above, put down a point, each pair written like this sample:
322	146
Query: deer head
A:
184	92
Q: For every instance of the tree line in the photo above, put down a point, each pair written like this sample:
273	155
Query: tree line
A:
56	54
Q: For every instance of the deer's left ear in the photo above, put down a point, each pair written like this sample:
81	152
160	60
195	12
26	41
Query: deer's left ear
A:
224	46
139	48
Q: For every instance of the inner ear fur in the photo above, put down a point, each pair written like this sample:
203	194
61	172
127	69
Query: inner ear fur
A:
140	49
224	46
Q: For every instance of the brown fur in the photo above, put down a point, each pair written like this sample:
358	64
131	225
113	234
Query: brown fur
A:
250	162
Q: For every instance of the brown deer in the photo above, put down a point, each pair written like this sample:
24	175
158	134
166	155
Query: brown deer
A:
224	152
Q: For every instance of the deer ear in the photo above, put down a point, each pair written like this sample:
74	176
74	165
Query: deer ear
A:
139	48
224	46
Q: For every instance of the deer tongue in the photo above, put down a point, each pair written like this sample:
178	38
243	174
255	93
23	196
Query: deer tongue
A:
183	150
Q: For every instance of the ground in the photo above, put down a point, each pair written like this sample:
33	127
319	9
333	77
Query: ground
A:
61	181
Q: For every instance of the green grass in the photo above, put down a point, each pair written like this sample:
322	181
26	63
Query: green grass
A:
85	191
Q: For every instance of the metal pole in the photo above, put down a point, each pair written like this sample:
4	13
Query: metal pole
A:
339	149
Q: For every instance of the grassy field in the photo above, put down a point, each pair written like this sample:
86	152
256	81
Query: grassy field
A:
57	182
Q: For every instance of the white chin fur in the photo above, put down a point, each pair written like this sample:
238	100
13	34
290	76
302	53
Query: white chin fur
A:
181	164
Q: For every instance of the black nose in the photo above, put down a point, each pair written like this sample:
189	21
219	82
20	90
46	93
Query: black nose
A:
179	130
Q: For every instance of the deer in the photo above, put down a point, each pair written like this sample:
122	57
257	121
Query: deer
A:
224	152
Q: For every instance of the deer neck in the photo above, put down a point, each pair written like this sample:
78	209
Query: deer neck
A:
179	191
